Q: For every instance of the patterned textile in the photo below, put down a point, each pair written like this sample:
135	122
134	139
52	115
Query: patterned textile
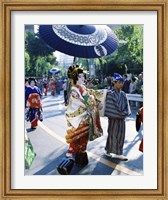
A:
78	145
34	101
91	102
34	104
82	118
74	134
117	105
30	90
116	136
117	108
29	154
33	98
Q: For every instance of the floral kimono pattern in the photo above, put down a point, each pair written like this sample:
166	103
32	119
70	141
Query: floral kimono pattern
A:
33	98
83	119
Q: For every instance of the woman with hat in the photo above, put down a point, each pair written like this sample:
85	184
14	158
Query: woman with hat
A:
33	103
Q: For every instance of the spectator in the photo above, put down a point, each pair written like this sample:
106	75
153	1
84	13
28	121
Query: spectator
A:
58	86
52	86
89	83
140	84
129	76
45	84
132	86
126	84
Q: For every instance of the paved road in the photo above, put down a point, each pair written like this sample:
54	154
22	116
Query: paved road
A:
49	143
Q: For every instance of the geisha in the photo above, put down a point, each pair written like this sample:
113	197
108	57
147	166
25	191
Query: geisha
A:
82	116
33	103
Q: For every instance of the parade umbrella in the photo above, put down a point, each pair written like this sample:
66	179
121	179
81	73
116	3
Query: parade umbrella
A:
83	41
54	71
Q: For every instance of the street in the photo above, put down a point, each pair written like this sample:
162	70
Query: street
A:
50	146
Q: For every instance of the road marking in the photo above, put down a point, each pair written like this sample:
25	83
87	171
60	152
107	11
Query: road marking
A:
52	133
92	155
113	165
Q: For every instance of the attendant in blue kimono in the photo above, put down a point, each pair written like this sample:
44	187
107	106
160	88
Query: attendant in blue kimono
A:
33	103
117	109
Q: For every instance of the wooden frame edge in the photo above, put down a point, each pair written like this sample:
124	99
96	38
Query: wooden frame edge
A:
161	192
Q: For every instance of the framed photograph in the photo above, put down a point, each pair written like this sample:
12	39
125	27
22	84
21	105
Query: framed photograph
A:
17	14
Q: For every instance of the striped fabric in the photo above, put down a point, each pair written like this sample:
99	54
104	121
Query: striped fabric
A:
117	108
116	136
117	105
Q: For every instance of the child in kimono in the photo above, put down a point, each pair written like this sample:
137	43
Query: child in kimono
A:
117	109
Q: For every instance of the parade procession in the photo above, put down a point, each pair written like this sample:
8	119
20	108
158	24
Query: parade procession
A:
84	100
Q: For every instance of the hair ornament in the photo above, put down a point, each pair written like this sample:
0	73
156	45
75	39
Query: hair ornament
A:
73	71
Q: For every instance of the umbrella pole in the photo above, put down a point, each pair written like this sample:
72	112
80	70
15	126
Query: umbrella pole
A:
74	61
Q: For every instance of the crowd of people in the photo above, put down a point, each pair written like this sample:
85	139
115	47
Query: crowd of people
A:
133	84
54	85
82	111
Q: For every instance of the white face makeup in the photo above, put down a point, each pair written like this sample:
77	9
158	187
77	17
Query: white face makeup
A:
32	83
81	78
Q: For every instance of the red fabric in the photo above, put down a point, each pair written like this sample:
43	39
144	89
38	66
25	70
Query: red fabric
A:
34	123
81	89
79	145
52	85
34	100
141	114
34	120
141	146
141	118
45	88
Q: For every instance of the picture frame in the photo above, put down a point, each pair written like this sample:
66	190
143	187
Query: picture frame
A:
5	84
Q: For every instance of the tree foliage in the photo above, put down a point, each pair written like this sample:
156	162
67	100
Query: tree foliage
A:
129	55
38	56
36	46
27	63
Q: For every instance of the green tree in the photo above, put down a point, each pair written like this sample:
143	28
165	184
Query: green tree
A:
42	66
27	63
99	65
84	63
36	46
129	54
38	56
